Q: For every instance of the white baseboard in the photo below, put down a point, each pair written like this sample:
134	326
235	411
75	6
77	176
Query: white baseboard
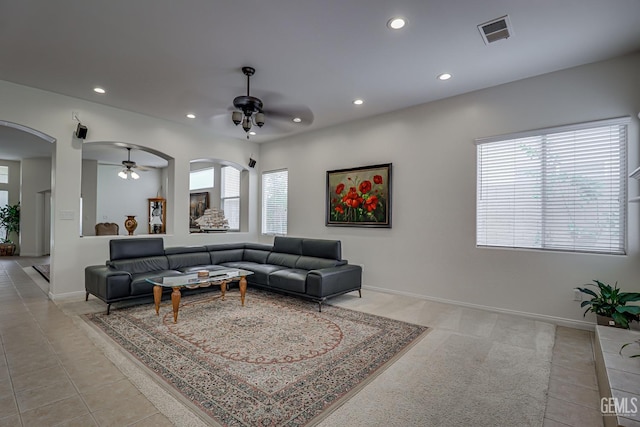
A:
560	321
67	296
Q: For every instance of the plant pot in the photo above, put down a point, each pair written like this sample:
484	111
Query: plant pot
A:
607	321
7	249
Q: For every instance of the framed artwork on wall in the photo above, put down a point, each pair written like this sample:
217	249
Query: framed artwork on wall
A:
359	197
157	215
197	205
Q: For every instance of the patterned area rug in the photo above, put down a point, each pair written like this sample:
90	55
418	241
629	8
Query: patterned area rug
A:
277	361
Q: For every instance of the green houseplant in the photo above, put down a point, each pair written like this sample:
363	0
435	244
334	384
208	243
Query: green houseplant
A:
10	221
609	301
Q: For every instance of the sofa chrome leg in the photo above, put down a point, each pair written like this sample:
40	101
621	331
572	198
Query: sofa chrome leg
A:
108	308
86	297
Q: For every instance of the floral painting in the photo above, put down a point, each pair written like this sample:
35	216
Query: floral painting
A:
359	197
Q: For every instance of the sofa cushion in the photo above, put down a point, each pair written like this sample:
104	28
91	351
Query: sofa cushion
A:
291	280
285	260
313	263
140	286
135	248
260	271
141	265
255	255
331	249
287	245
224	247
179	261
184	250
228	255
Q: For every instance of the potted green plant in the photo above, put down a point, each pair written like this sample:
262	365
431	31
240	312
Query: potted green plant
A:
610	304
10	221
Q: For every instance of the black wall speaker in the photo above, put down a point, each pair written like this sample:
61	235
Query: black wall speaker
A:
252	163
81	131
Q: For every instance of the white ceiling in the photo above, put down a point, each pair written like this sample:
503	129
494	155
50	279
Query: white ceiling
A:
166	58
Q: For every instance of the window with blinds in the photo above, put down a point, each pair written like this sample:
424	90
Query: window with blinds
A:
559	189
4	174
274	202
230	195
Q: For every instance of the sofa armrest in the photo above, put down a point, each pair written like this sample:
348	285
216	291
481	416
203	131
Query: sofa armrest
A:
107	283
329	281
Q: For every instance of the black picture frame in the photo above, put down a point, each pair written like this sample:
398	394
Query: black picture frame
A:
359	197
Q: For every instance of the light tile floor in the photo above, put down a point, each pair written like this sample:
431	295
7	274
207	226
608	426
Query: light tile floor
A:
51	373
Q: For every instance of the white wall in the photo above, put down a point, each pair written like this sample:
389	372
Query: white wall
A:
36	182
51	114
118	198
430	251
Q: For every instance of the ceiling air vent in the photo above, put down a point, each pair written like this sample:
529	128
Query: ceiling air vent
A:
495	30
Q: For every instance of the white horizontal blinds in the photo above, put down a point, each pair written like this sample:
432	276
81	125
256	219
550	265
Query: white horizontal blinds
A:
4	174
509	193
230	180
274	202
559	190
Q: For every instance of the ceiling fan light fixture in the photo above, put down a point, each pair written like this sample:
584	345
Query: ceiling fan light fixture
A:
248	106
122	174
236	116
134	175
246	124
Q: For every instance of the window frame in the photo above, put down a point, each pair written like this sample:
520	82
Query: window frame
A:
223	198
264	224
616	200
213	179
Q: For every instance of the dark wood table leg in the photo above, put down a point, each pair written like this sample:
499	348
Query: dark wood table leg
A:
157	297
243	288
175	300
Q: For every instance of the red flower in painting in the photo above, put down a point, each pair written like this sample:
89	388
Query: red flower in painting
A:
371	203
339	188
365	186
339	209
352	199
377	179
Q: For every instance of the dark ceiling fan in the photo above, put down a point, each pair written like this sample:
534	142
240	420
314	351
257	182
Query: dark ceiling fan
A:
129	165
250	111
250	107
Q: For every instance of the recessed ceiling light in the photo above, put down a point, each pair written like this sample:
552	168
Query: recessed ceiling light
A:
297	119
99	90
191	116
444	76
252	133
396	23
358	101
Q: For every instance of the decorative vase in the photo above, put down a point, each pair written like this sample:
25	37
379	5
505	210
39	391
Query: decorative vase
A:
130	224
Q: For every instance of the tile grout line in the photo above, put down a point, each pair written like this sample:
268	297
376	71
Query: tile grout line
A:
47	340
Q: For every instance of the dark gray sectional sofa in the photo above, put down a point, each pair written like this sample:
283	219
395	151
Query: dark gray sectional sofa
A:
309	268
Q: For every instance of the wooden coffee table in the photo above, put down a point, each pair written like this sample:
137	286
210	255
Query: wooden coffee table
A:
192	280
